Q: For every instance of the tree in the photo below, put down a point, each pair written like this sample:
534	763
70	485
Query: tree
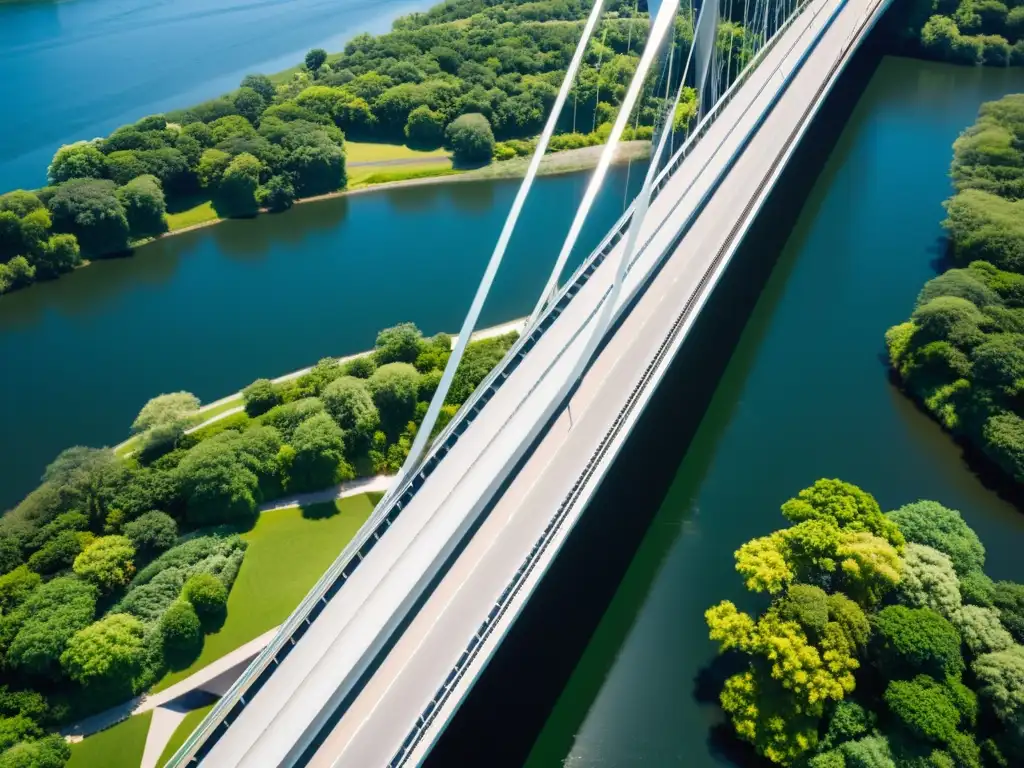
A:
319	455
923	707
180	629
49	752
287	416
981	630
260	397
315	59
112	651
164	419
212	165
949	318
964	283
217	485
77	161
145	206
399	344
1001	685
17	728
933	525
261	84
153	532
207	595
277	194
237	193
846	506
59	552
89	210
929	581
107	562
53	614
350	404
59	254
20	202
250	104
394	387
916	639
987	227
470	138
1008	599
425	127
16	586
317	168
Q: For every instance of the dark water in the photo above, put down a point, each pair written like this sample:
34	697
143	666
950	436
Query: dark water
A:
211	310
78	69
804	396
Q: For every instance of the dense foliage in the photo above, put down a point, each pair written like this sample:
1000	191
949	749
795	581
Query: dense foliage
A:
963	31
99	596
962	352
908	674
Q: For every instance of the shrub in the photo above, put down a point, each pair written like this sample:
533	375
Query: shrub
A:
916	639
107	562
1009	600
260	397
53	614
58	553
110	650
399	344
319	455
49	752
981	630
395	388
179	628
470	138
149	601
206	593
362	367
929	581
350	404
923	707
152	532
931	524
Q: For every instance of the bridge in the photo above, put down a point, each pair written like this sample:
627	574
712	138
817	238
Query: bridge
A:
376	660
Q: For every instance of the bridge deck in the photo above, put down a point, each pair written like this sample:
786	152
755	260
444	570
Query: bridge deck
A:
337	649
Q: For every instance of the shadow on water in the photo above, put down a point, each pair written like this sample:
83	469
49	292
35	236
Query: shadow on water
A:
511	703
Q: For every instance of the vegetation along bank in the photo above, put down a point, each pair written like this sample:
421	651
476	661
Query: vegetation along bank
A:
883	642
115	568
478	79
961	354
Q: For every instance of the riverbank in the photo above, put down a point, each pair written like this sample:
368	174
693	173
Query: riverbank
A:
566	161
232	404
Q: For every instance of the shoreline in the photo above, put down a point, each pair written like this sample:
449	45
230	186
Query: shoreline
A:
554	164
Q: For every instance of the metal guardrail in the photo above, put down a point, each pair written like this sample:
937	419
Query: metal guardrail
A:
512	589
262	667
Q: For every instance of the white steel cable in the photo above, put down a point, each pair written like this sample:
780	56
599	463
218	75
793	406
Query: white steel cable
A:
469	324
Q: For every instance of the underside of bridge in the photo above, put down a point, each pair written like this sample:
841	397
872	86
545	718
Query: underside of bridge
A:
481	548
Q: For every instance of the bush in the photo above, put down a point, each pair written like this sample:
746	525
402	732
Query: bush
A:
260	397
470	138
362	367
395	388
981	630
911	640
277	194
152	532
318	461
936	526
1009	600
179	627
399	344
107	562
207	595
49	752
285	418
111	650
350	404
52	615
923	707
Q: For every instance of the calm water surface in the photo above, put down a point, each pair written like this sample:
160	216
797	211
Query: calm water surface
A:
805	396
211	310
78	69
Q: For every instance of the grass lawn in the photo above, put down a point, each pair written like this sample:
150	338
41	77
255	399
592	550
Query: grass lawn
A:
289	549
118	747
372	152
183	731
365	177
198	214
209	413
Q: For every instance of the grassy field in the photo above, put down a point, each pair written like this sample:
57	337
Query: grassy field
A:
375	152
182	732
117	747
289	549
370	175
198	214
209	413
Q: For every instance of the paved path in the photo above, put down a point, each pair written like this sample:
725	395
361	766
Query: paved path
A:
163	725
430	159
378	483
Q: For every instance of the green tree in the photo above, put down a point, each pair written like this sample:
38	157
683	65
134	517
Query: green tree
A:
287	416
217	484
846	506
260	397
53	614
315	59
237	193
250	104
1001	685
112	650
350	404
107	562
319	455
261	84
317	168
933	525
212	165
16	586
1008	599
17	728
180	629
395	387
923	707
425	127
918	639
152	532
929	581
145	206
399	344
207	595
59	254
981	629
77	161
20	202
164	419
59	552
470	138
49	752
277	194
89	210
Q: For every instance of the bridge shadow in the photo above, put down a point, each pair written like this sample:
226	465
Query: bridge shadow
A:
512	701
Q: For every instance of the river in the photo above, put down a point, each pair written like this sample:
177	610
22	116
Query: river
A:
78	69
804	396
211	310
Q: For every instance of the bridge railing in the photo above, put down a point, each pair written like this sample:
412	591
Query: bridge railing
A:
263	666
